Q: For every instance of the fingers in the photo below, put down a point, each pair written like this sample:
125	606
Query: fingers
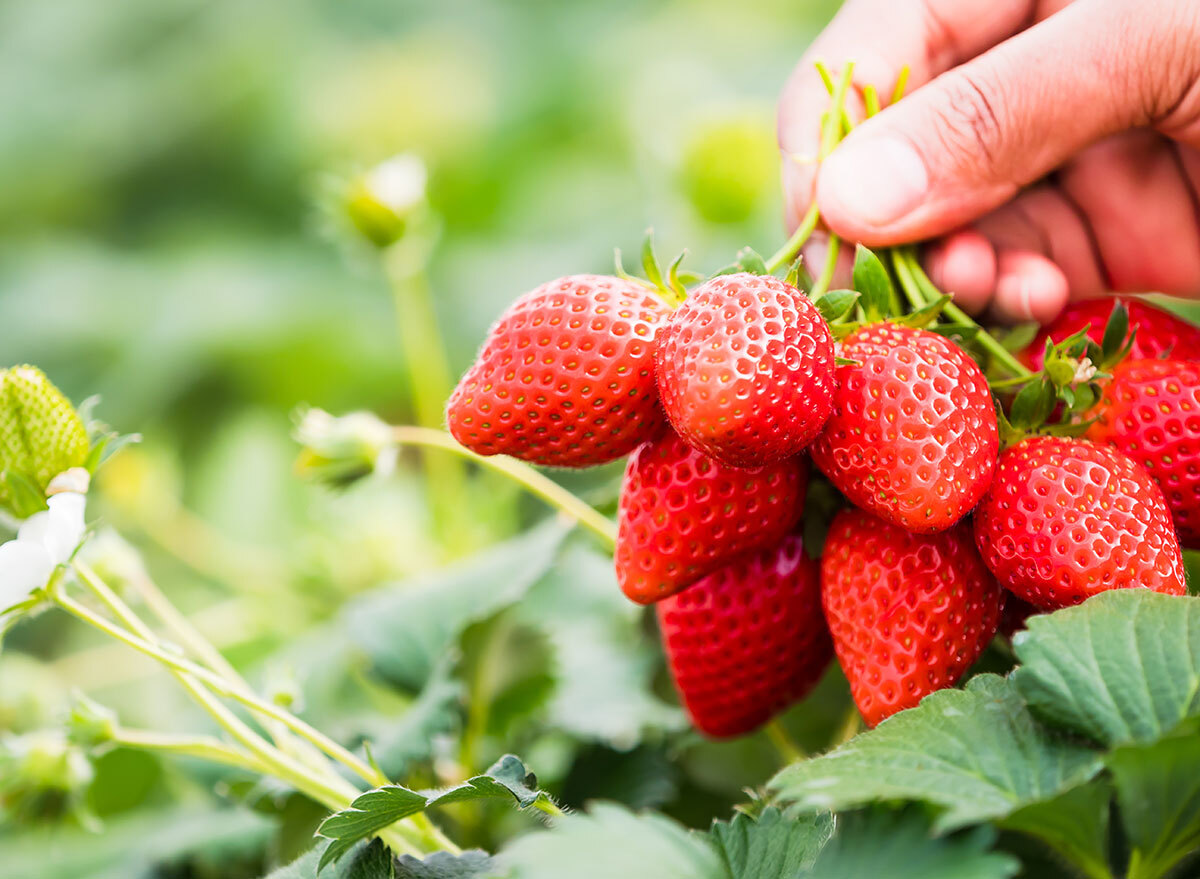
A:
968	140
964	265
881	37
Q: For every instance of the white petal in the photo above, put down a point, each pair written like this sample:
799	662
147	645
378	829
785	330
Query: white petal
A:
24	566
35	527
66	525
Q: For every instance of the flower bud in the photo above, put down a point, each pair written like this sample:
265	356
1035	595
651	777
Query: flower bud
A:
41	435
381	202
90	724
346	449
42	775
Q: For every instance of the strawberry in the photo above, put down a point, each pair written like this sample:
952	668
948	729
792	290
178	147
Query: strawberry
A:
1065	519
745	369
566	376
909	613
913	435
748	640
1159	332
683	514
1151	412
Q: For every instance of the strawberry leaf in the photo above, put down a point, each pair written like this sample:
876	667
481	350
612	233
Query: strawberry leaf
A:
871	279
1115	331
383	806
975	754
1158	793
749	260
836	304
443	865
1122	667
771	845
1074	825
898	845
610	841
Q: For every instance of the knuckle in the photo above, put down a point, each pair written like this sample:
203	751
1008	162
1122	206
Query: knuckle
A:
968	120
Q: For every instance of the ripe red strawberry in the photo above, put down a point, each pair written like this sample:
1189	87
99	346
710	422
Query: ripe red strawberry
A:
1066	519
748	640
683	515
913	435
908	612
1151	412
1159	332
566	376
745	369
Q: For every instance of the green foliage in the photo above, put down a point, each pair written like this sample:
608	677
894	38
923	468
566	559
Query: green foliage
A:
610	841
381	807
1123	667
975	753
1158	792
771	845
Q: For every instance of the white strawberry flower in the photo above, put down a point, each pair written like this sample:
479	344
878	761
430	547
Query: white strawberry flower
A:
45	540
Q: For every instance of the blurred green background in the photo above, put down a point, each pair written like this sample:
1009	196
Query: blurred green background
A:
168	241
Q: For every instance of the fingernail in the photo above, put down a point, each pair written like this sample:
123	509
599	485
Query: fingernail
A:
875	181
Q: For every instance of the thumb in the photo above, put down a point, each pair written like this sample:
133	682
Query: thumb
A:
967	141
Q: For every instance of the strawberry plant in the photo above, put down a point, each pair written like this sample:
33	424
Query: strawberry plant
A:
990	552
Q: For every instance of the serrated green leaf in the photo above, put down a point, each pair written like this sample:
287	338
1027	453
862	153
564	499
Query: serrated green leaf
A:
610	842
1122	667
976	754
926	315
1032	405
365	861
506	779
1073	824
771	846
1158	792
366	815
900	846
603	663
836	304
406	628
871	279
443	865
400	742
370	812
1020	337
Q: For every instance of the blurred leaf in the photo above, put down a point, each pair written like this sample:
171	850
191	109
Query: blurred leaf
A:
1158	791
1124	666
365	861
443	865
642	778
410	738
1074	825
975	753
602	661
899	846
771	846
405	628
609	841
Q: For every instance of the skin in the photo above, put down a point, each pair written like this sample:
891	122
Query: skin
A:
1051	149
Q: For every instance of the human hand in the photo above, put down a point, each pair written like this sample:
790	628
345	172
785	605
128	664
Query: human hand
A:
1053	145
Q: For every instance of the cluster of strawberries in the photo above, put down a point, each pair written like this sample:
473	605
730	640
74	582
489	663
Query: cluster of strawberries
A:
723	402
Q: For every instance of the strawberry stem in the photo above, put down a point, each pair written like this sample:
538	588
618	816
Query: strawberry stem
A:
532	480
831	259
787	253
1003	356
783	742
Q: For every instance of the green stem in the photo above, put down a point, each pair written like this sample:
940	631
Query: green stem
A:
204	747
791	248
532	480
848	728
831	259
545	804
783	742
429	375
1002	355
220	685
333	792
908	283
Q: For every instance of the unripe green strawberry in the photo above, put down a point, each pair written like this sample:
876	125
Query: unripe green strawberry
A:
41	434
